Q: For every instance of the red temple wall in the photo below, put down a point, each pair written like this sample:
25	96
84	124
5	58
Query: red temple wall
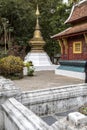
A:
70	55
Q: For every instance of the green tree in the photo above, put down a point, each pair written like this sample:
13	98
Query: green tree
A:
73	1
52	21
5	25
21	16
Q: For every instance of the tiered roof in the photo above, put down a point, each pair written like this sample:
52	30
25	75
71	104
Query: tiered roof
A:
75	30
78	18
78	12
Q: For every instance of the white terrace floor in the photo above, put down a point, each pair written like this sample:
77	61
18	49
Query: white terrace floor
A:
45	79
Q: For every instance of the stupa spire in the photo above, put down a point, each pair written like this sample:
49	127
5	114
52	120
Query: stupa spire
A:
37	41
37	24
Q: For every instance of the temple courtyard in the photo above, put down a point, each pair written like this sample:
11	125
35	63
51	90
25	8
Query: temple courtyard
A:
45	79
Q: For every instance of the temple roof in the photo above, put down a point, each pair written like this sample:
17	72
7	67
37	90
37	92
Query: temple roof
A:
81	28
78	12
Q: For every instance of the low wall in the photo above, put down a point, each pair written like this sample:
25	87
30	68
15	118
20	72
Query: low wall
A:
7	90
55	100
18	117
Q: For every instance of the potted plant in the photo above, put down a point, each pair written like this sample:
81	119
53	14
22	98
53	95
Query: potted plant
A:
30	68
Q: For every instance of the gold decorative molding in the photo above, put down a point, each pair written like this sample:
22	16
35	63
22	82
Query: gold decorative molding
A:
66	45
60	44
85	36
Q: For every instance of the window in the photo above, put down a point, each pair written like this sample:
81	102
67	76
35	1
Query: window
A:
77	47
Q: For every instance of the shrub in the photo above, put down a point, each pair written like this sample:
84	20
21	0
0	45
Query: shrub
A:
11	65
83	109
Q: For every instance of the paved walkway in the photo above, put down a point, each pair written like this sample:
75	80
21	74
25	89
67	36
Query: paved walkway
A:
45	79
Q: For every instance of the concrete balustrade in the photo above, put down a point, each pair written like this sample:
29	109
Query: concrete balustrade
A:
7	90
18	117
41	102
55	100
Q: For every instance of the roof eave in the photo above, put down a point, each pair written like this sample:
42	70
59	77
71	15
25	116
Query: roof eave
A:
67	21
56	35
68	35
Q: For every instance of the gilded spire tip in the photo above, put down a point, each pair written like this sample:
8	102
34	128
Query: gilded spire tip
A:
37	11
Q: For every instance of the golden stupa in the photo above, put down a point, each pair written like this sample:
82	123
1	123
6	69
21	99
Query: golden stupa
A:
37	41
38	56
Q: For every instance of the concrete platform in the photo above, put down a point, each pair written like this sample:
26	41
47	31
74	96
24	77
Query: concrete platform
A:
45	79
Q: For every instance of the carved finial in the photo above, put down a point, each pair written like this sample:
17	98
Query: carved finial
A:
37	11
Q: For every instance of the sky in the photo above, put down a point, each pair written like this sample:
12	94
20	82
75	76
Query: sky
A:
65	0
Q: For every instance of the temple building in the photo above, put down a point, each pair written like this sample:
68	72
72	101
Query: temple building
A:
73	42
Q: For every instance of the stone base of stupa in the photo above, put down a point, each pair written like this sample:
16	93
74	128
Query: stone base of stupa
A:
40	60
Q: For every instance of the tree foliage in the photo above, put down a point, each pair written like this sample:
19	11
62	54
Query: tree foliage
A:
53	15
21	16
74	1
